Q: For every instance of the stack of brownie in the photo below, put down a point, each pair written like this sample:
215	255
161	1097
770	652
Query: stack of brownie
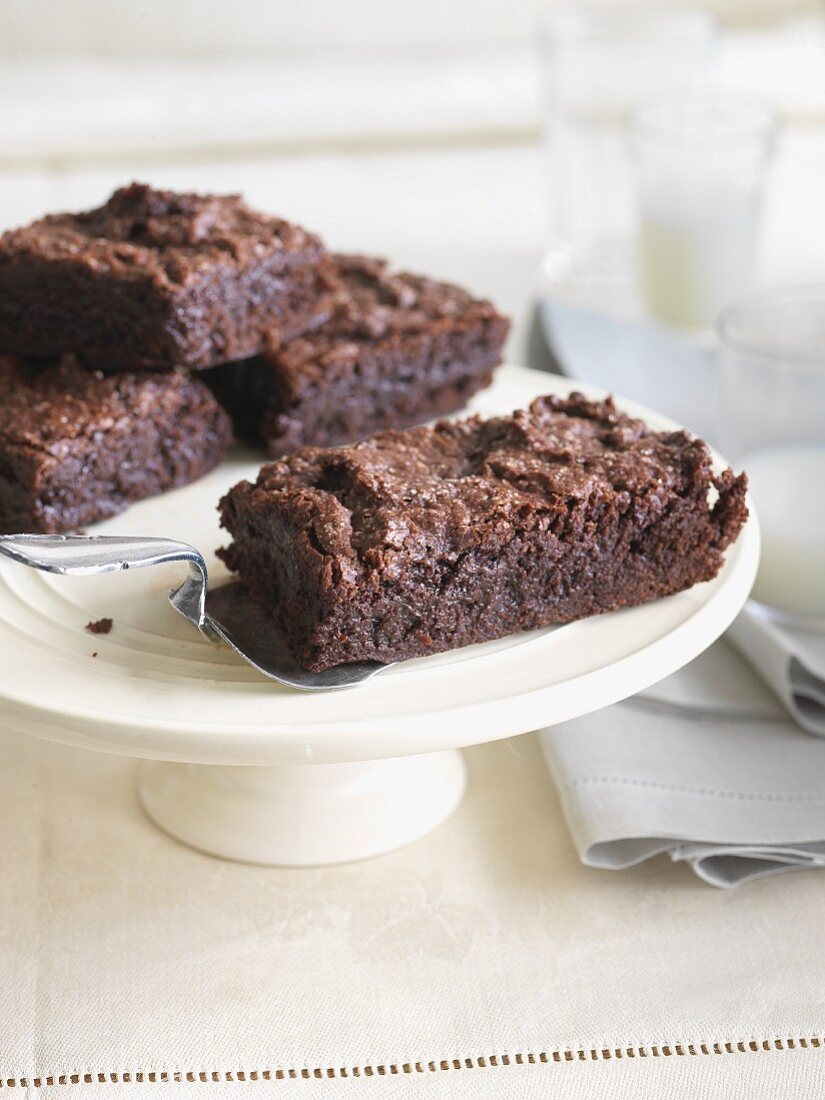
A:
137	338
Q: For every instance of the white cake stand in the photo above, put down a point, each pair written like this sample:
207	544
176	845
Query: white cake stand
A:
245	769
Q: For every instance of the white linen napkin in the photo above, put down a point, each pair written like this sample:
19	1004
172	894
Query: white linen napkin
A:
705	767
790	660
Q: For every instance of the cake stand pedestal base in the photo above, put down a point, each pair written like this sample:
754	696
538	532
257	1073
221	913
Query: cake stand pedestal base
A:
303	815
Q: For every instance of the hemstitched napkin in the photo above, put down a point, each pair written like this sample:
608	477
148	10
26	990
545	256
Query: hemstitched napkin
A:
738	793
791	661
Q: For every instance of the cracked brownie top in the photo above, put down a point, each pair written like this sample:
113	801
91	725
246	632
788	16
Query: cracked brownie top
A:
375	305
168	236
566	464
45	405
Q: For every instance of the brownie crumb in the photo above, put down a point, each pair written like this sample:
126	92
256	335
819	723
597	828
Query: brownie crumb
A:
101	626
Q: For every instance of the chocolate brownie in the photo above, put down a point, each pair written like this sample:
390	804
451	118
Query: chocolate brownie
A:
398	349
77	446
419	541
155	278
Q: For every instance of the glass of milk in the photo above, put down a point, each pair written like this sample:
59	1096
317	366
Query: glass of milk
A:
772	408
701	168
597	59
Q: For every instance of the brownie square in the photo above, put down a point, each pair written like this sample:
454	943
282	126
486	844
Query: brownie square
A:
397	350
77	446
154	278
414	542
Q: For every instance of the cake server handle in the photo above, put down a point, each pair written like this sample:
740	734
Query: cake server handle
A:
87	555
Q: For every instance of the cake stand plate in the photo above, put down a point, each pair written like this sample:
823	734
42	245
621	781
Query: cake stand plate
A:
246	769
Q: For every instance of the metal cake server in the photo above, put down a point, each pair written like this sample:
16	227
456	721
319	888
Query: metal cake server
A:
226	614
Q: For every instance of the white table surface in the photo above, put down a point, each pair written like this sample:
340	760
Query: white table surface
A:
125	953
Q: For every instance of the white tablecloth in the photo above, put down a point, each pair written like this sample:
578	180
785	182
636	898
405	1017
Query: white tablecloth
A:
485	946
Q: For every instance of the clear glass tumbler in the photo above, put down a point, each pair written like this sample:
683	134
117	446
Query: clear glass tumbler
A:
597	60
701	168
772	378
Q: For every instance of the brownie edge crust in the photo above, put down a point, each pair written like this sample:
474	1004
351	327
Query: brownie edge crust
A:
414	542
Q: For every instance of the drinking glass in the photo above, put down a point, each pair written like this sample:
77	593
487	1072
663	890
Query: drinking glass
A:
598	59
701	167
772	377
